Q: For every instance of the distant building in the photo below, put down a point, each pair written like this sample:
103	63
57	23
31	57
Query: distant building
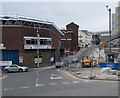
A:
84	38
116	20
114	23
70	38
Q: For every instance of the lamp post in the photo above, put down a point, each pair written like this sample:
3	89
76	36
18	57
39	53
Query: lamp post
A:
109	9
38	44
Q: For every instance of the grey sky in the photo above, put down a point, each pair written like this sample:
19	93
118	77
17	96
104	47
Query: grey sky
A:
92	16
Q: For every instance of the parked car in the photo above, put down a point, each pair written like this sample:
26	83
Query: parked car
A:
15	68
59	64
74	60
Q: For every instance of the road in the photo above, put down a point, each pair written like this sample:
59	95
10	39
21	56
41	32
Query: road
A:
54	82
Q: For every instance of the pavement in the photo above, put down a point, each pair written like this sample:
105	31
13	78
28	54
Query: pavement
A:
94	73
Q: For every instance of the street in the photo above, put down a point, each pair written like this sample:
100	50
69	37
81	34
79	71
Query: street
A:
54	82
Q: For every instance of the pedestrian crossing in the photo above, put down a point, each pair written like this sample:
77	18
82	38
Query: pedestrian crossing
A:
50	84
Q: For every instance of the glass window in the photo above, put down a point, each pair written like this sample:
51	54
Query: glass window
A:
45	41
80	41
80	36
41	41
28	42
49	43
35	41
32	41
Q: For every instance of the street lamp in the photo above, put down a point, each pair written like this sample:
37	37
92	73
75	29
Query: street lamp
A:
109	9
38	44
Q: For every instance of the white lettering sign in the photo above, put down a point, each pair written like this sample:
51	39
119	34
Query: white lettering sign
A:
5	63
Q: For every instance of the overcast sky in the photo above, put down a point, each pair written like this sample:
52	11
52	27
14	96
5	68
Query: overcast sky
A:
92	16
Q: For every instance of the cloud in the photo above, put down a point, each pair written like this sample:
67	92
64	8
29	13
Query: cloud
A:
88	15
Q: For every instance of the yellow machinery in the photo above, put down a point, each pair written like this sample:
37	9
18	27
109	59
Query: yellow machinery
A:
86	62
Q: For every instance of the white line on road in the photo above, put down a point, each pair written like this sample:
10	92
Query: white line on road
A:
56	77
25	87
53	76
76	81
65	82
53	83
8	89
36	80
40	85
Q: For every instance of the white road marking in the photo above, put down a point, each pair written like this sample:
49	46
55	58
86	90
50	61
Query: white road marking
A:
8	89
25	87
53	83
40	85
76	81
65	82
53	76
36	80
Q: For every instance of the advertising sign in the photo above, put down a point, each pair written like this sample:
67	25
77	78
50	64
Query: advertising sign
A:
21	59
5	63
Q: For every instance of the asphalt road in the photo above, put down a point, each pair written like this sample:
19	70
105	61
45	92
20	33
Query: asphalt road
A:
52	82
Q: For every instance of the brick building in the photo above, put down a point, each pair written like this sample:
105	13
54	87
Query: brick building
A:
70	38
20	34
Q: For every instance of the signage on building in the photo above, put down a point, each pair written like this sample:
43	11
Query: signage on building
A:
52	59
67	51
38	60
5	63
21	59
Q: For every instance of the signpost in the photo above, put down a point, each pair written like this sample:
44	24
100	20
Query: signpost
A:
67	51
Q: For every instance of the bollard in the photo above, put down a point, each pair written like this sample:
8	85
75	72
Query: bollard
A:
1	73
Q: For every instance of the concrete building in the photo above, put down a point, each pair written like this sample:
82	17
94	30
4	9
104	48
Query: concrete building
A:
19	33
84	38
116	20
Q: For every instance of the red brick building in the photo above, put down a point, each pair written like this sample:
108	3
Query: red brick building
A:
20	34
70	39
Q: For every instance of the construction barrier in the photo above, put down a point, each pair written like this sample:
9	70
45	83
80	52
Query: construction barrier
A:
113	66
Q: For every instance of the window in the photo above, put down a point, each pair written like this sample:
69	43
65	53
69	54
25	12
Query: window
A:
28	42
49	43
80	41
32	41
80	36
41	42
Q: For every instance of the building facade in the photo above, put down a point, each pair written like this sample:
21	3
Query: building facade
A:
21	34
116	20
70	38
84	38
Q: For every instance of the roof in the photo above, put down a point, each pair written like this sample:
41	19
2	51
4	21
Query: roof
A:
73	24
13	20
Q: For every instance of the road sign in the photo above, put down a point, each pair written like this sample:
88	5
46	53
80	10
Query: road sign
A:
67	51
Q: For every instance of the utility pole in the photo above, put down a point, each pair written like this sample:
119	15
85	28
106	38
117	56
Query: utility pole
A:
109	9
38	44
